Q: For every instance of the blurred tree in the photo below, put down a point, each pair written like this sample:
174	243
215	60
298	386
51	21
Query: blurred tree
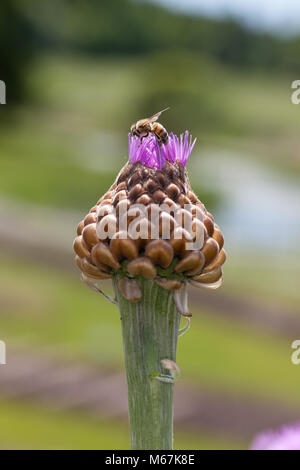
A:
132	27
16	48
136	27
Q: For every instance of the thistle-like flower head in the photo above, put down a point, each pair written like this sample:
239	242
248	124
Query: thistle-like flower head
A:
150	224
151	153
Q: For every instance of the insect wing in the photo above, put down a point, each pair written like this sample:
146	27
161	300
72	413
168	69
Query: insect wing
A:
156	116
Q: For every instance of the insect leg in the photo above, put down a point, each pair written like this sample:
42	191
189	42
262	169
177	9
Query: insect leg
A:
143	136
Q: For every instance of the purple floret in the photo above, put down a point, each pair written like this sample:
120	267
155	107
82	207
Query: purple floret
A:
285	438
149	152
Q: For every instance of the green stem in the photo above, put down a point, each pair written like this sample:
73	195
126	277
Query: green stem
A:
150	331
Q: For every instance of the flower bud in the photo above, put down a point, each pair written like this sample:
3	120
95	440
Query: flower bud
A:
150	224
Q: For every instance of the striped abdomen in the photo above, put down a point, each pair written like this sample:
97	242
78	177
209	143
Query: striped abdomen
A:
160	132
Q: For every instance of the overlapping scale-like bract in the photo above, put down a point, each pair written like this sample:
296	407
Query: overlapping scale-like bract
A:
164	258
150	224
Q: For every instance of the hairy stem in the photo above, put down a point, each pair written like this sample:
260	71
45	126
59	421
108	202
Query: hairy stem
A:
150	331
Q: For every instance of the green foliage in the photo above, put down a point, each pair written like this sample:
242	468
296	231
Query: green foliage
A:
128	27
25	426
16	48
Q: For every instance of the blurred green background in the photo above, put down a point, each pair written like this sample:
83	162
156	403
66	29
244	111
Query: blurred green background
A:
78	73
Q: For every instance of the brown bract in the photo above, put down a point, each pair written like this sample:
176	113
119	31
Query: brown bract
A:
130	289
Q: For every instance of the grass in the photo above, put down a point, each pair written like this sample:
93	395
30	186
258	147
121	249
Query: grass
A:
26	426
227	356
42	171
273	279
55	313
